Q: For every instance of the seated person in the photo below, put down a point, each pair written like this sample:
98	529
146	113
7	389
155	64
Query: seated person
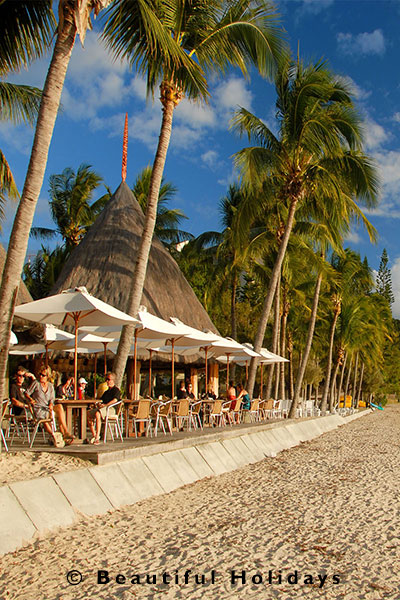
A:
101	388
190	393
242	393
17	392
182	392
40	393
82	383
210	395
66	388
96	414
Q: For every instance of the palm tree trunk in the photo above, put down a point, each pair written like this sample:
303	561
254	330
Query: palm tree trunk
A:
290	356
355	381
278	330
258	341
139	273
360	385
346	387
233	318
275	332
285	313
18	243
341	378
307	350
233	306
333	385
329	364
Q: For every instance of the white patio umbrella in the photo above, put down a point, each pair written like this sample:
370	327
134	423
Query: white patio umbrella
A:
267	357
149	332
53	338
13	339
24	349
223	348
73	307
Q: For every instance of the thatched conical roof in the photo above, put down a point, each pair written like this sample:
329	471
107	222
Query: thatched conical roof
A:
105	259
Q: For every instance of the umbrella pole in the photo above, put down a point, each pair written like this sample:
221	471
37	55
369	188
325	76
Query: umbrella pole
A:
150	379
135	365
261	382
173	369
247	371
47	355
76	319
105	357
227	373
95	375
205	352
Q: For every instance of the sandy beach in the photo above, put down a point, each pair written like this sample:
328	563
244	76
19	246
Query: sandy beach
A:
320	520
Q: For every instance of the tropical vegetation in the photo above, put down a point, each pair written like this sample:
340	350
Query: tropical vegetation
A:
278	271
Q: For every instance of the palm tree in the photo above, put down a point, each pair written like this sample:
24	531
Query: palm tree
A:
41	273
168	219
350	284
227	249
70	206
317	154
25	32
205	37
74	17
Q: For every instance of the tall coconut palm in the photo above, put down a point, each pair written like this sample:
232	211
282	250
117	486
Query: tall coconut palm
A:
209	37
25	32
318	149
351	282
70	205
74	17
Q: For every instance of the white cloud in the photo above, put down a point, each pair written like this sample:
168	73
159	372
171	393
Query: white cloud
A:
362	43
210	158
316	6
389	163
375	134
353	237
396	117
17	137
358	92
195	114
232	93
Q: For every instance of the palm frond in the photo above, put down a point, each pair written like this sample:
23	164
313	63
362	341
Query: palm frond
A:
19	103
26	32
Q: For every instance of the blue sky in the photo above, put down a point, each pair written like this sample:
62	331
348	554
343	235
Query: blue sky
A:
359	39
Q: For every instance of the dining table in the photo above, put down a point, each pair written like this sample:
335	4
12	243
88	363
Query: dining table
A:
76	413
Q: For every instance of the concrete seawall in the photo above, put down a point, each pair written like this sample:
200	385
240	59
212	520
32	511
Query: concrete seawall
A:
34	507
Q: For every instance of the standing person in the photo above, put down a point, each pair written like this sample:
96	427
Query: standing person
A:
42	395
232	394
111	395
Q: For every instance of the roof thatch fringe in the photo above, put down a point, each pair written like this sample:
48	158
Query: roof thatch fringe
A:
23	294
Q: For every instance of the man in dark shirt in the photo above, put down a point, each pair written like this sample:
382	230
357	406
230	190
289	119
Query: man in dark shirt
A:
111	395
17	392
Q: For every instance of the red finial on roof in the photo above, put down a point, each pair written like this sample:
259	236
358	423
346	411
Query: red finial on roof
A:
125	149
